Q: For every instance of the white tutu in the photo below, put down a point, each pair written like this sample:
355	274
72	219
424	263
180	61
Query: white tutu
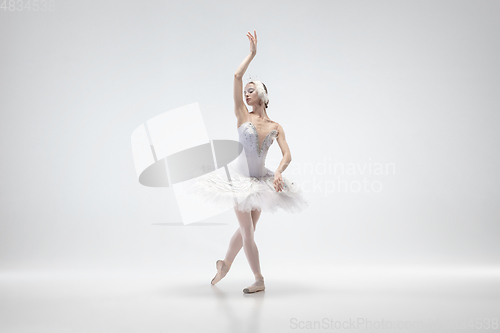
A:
247	193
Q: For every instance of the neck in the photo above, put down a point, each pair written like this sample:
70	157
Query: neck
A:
260	111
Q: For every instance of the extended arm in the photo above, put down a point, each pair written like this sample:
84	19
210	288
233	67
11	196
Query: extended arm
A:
239	107
238	81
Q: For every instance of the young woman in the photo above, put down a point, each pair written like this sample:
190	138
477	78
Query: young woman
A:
253	187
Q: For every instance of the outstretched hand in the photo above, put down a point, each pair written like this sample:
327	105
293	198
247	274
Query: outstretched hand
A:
253	41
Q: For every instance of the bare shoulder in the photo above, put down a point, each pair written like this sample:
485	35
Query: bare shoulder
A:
280	138
241	112
242	116
279	129
277	125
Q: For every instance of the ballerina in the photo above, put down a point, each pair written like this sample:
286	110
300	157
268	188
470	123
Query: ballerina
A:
253	187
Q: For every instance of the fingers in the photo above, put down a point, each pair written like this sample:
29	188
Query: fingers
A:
253	38
278	185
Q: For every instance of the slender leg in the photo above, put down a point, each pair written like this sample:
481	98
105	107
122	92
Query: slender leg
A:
255	217
236	242
249	246
235	245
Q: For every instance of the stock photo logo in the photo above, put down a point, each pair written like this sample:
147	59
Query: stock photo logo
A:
327	177
173	150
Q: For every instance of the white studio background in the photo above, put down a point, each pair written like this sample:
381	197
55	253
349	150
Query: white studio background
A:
408	85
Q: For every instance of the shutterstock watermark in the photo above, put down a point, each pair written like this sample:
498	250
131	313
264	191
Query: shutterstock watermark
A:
330	176
362	323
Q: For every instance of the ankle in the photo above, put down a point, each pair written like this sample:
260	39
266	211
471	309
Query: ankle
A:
227	263
259	278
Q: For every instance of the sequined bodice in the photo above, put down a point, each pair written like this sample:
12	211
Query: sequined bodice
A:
255	153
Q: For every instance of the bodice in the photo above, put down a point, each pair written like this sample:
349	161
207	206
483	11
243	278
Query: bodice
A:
255	154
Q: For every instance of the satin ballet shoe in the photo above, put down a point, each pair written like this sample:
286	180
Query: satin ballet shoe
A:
255	287
222	269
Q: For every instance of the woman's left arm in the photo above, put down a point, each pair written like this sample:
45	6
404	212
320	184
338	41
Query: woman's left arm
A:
285	161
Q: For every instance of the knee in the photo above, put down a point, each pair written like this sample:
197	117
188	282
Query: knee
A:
246	234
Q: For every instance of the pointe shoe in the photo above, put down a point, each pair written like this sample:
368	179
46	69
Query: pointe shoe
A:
255	287
222	270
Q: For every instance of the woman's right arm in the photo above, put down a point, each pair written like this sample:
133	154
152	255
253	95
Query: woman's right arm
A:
240	109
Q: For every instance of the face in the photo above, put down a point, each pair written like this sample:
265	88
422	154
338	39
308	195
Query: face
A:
251	96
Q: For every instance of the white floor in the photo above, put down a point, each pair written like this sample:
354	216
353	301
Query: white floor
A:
322	299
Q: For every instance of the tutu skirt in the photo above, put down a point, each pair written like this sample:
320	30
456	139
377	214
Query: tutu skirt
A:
225	188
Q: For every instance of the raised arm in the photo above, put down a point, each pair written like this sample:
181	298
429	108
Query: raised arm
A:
240	109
